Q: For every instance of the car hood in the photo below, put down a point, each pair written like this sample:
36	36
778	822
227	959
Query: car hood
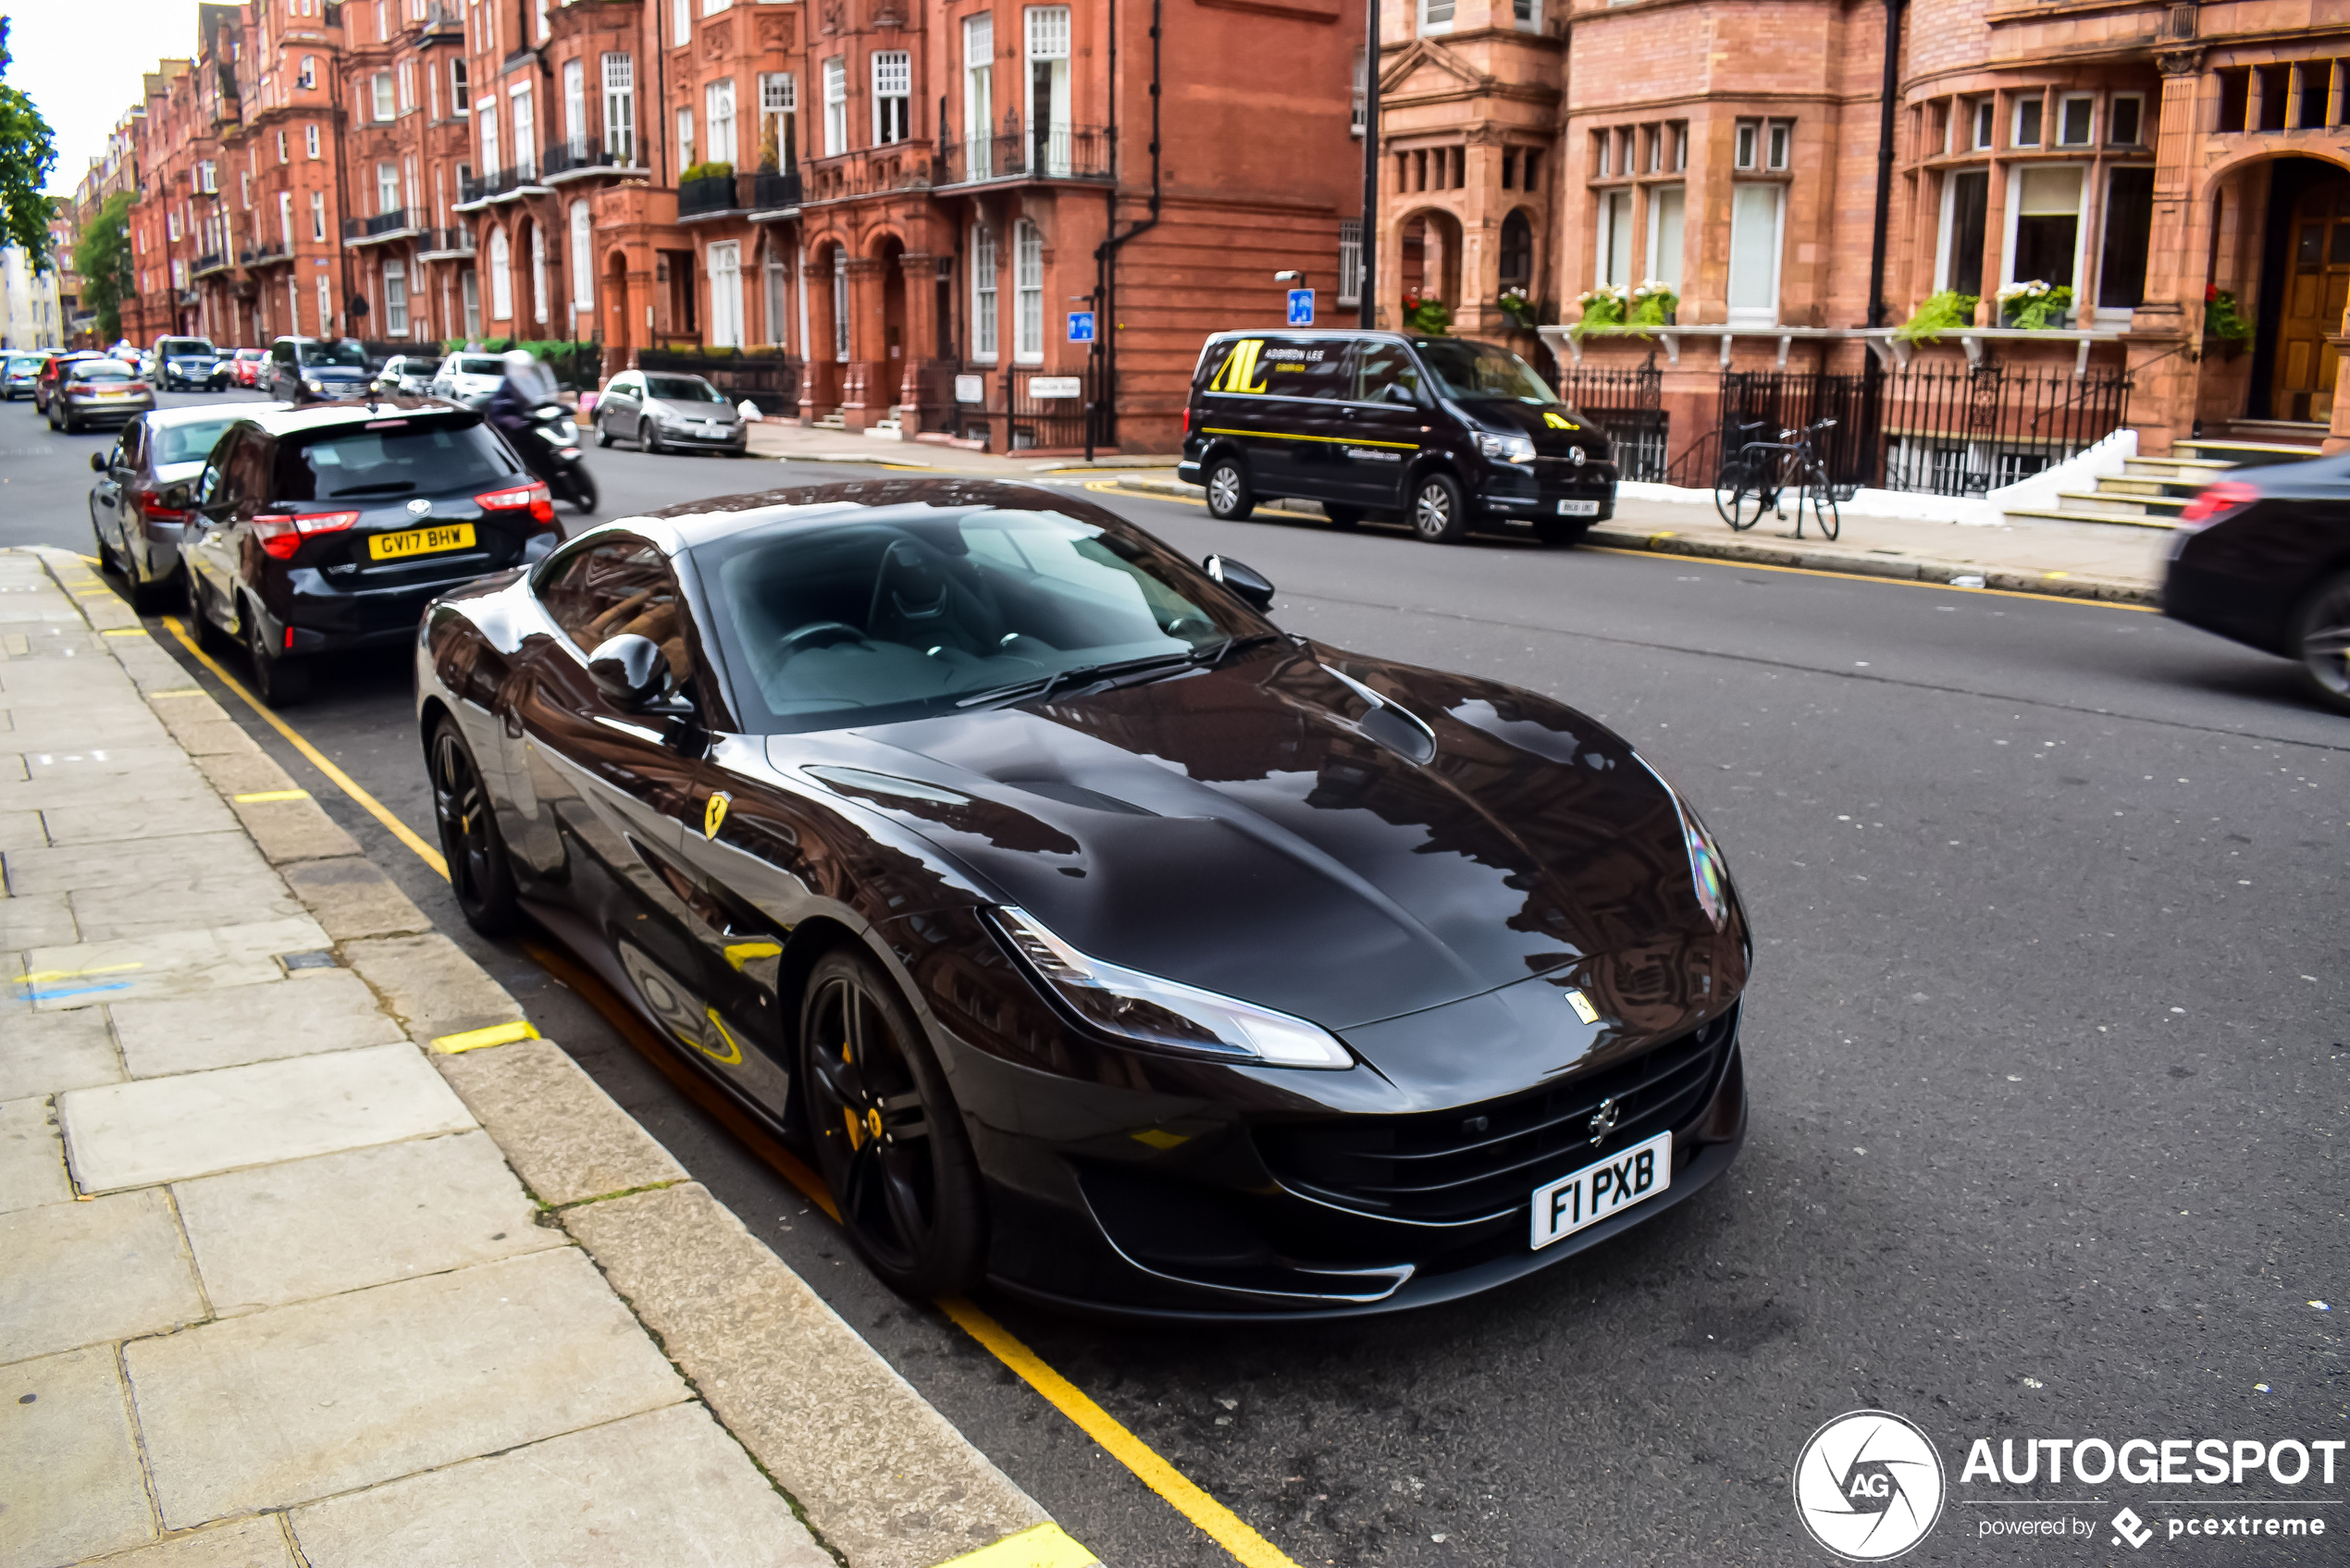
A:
1255	830
726	413
336	373
1555	429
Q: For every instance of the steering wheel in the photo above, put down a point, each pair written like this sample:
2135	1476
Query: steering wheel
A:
818	634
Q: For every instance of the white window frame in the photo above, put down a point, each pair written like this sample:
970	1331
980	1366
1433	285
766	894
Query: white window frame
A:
1435	16
307	77
836	77
723	263
719	144
1350	261
2084	292
2065	102
1664	261
1525	16
1045	40
979	95
523	114
2111	118
1612	228
469	291
574	81
538	274
459	107
1028	293
317	215
893	79
779	110
310	141
985	322
681	22
1754	315
486	112
282	157
620	108
387	187
285	219
501	277
2035	102
383	96
582	246
325	306
686	159
395	286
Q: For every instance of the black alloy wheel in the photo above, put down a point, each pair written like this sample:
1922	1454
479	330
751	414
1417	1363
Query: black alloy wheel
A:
2322	641
1439	512
649	438
106	562
479	872
1229	495
200	625
603	435
888	1136
280	681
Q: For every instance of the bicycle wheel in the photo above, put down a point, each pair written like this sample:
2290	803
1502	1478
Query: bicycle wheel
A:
1817	503
1738	494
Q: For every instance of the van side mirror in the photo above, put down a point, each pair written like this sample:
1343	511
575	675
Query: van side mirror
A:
629	671
1252	586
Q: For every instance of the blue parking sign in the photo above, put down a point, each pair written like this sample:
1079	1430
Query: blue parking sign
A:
1301	307
1080	326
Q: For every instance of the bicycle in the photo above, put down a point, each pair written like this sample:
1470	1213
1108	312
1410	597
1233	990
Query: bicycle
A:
1757	476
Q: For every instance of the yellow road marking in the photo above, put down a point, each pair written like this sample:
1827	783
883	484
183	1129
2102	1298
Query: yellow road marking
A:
1195	500
476	1039
260	795
175	691
1044	1546
126	632
1225	1528
316	757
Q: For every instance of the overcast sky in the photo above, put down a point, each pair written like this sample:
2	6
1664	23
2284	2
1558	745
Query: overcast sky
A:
81	61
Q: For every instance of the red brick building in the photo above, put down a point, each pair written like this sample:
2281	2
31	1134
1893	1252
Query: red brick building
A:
404	136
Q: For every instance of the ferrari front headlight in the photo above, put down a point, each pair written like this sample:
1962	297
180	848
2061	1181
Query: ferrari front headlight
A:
1166	1014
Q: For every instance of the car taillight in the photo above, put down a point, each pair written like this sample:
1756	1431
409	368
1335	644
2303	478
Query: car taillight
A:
2215	502
136	387
1187	419
534	496
150	507
282	535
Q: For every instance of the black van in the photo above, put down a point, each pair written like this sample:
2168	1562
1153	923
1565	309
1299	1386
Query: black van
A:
1447	432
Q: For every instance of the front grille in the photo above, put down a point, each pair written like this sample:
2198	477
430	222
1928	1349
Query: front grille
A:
1440	1167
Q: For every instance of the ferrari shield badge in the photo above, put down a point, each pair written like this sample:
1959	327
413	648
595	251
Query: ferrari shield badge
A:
716	812
1582	1005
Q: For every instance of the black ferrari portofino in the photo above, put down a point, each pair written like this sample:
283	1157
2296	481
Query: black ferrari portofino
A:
1101	940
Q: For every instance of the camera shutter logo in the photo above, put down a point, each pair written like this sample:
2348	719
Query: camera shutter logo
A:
1869	1485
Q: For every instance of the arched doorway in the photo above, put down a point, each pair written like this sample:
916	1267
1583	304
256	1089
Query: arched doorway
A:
1431	257
890	252
2304	286
1516	257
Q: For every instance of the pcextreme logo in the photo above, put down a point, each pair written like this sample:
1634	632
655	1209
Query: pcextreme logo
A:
1868	1486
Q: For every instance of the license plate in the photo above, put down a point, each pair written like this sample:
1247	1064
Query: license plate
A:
1632	1176
1578	509
422	541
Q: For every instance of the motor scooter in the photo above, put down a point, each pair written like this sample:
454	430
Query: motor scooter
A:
549	444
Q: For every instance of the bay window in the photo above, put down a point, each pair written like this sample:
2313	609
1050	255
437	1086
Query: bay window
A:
620	109
718	104
1757	212
835	106
2045	235
1048	107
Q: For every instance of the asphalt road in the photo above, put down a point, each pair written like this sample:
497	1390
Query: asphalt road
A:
2047	1045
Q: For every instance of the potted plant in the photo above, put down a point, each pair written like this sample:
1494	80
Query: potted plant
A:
1429	317
2223	322
1940	313
1604	306
1518	308
2035	306
1653	303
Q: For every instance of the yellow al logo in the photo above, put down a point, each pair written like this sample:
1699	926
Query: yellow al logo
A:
716	812
1558	422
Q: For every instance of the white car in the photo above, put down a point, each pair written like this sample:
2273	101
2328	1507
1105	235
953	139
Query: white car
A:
469	378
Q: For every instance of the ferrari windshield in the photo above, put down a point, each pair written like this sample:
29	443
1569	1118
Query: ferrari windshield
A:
1469	372
907	612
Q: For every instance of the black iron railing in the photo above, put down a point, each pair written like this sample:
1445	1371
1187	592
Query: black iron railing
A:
582	153
445	240
381	223
1629	405
712	194
1043	152
772	189
211	261
481	187
768	378
262	254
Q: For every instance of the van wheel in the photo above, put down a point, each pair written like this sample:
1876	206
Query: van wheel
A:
1439	512
1230	495
1341	516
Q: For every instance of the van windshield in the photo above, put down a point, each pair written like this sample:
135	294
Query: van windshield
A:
345	353
177	348
1469	372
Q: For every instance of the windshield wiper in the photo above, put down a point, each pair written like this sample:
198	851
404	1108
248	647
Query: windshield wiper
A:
1217	653
1077	674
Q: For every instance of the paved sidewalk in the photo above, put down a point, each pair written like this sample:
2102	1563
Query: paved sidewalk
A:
315	1255
776	439
2118	564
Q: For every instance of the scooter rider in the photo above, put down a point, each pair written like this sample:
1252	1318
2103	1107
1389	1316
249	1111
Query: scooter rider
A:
525	411
513	407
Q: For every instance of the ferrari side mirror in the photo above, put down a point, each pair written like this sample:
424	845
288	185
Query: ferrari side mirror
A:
629	671
1253	586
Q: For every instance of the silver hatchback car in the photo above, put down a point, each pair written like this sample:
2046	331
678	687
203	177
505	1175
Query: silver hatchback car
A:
131	511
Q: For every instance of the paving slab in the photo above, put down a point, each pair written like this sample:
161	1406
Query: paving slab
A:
303	1402
664	1488
70	1485
882	1474
430	985
71	763
32	1158
79	868
171	963
23	830
243	1543
19	792
37	919
114	914
244	772
126	824
352	897
47	1053
199	1124
312	1228
79	1274
323	1010
558	1127
293	830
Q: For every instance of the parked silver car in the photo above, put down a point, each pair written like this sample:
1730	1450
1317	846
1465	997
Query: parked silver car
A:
665	412
409	374
469	378
137	529
95	392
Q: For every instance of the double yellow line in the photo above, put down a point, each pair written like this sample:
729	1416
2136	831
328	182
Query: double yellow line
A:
1223	1526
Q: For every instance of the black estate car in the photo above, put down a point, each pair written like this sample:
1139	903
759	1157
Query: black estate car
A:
303	369
2263	557
1095	937
1448	433
332	525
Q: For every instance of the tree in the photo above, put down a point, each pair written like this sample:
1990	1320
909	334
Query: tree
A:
28	151
102	257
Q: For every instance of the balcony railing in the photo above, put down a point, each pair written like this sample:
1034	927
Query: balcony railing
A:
583	154
903	166
211	261
775	191
268	250
443	21
445	241
481	188
713	193
392	222
1044	152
